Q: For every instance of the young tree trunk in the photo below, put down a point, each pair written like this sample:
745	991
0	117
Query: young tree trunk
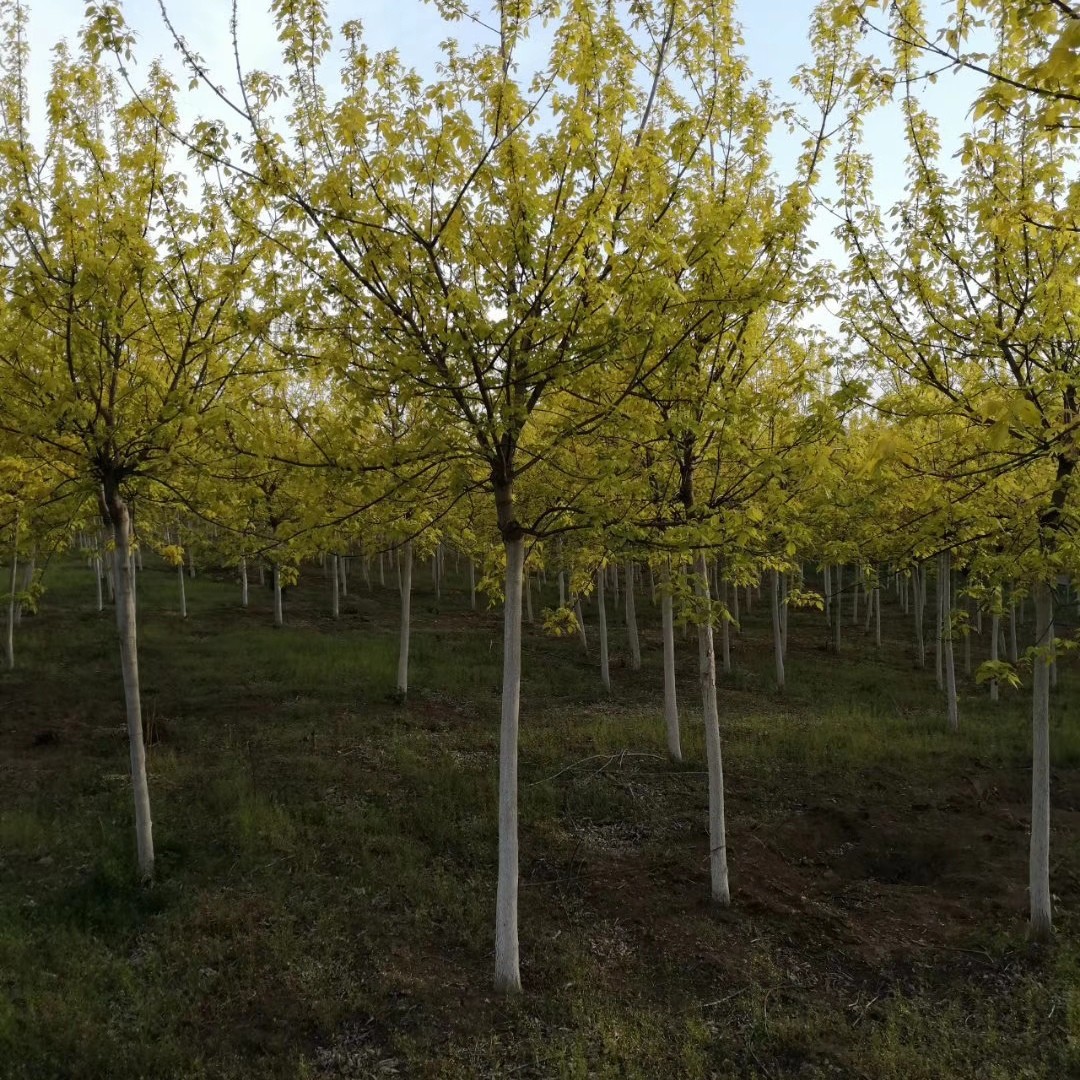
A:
783	613
12	581
615	584
507	965
262	574
631	620
183	591
855	597
877	616
826	586
939	654
917	595
995	626
243	581
279	614
946	620
671	707
472	584
725	632
749	599
341	570
561	575
1039	859
129	664
406	614
1014	648
778	643
967	639
335	588
382	571
735	608
528	597
601	610
580	623
707	666
839	612
97	582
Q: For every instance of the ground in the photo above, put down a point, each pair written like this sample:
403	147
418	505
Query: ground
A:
324	903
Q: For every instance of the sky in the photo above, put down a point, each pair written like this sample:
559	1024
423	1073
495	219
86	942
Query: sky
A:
775	35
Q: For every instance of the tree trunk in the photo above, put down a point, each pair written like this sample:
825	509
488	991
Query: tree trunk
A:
946	621
826	588
243	581
1014	648
97	582
855	597
129	664
341	569
279	615
725	632
561	576
528	597
1039	861
778	642
12	580
877	616
581	624
838	614
671	707
601	610
405	571
783	613
917	596
939	669
707	666
335	588
631	620
183	591
995	626
507	965
735	608
472	584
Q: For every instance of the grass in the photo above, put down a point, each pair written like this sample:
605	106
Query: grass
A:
326	855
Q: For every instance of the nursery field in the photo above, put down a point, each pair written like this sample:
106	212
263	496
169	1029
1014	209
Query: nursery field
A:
326	854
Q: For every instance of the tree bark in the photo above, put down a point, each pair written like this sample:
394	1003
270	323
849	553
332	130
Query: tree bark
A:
918	595
183	591
995	626
129	665
335	588
279	614
718	869
1039	855
671	707
405	571
243	581
472	585
631	620
507	965
12	581
601	610
778	640
838	614
97	582
725	632
949	660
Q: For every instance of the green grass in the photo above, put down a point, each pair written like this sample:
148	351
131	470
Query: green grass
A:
326	855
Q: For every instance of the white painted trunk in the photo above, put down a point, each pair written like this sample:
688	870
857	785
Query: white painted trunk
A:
950	667
1039	854
507	965
97	583
995	625
778	643
631	620
405	571
939	655
718	869
9	643
243	582
129	664
838	614
581	624
917	596
615	584
335	588
279	615
341	569
1014	647
725	631
783	613
671	707
183	591
601	610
